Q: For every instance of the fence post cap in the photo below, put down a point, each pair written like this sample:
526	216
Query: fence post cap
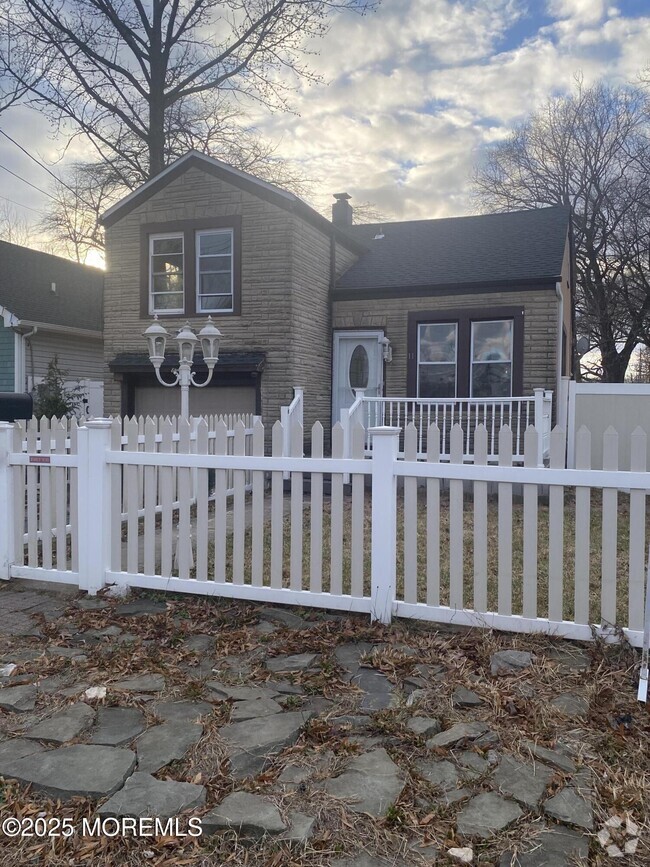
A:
98	423
384	430
6	425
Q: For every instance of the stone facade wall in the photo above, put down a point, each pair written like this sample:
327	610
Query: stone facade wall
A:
284	289
391	314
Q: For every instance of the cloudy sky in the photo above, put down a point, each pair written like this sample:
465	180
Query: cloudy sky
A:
414	93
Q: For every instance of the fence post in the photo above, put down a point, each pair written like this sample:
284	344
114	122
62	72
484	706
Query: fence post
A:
7	553
94	504
385	446
539	424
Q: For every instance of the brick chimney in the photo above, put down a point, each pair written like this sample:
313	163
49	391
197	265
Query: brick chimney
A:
342	210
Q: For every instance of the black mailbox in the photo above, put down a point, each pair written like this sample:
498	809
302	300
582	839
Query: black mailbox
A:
15	406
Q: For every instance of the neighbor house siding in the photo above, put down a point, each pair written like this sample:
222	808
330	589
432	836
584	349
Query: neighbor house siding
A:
7	358
265	322
78	357
391	314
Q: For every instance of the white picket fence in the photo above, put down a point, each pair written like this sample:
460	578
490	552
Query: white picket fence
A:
556	550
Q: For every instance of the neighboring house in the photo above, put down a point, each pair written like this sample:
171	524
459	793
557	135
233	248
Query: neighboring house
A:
472	306
50	307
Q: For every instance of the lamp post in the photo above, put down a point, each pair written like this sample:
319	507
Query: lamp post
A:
209	337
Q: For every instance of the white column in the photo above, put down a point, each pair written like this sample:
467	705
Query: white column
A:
7	554
539	424
385	445
94	496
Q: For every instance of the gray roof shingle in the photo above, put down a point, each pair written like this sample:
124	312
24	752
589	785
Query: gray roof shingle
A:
486	249
26	278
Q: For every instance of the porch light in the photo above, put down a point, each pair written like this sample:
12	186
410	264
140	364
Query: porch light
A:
156	336
186	340
210	337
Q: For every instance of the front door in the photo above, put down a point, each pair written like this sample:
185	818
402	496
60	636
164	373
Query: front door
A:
358	363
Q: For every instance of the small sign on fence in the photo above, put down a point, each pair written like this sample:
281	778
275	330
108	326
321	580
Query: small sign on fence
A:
39	459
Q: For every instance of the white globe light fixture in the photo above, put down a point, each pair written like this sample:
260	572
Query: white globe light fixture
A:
209	337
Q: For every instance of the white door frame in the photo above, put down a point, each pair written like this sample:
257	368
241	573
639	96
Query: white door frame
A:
358	334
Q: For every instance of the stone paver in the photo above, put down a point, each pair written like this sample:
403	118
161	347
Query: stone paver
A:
442	774
181	711
284	617
487	814
141	608
254	709
573	806
64	772
250	815
457	734
554	847
18	698
464	697
144	795
571	705
18	748
554	758
117	726
300	830
65	725
372	782
424	726
249	744
199	643
296	662
524	782
141	683
510	661
223	691
165	743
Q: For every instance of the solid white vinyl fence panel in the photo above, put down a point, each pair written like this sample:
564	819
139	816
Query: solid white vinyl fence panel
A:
19	494
32	497
149	501
638	463
73	477
116	474
131	496
46	498
166	500
60	484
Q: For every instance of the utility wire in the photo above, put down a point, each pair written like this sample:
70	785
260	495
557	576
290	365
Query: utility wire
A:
29	183
46	169
20	204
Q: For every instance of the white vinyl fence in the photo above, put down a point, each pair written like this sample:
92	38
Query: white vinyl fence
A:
556	550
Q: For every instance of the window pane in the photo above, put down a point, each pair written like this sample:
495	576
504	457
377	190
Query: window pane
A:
167	283
437	380
492	341
214	283
219	242
167	264
438	342
168	301
491	380
215	302
214	263
167	245
359	368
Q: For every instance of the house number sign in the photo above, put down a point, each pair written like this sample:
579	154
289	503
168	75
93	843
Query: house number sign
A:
39	459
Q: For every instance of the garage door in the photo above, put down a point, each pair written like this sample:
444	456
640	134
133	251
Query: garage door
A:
157	400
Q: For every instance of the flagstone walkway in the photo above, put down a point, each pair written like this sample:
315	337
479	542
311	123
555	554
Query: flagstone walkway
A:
313	735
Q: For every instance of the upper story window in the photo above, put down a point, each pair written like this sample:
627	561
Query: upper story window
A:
166	273
191	267
214	271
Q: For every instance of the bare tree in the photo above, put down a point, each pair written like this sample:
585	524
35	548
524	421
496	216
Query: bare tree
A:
143	81
14	228
589	151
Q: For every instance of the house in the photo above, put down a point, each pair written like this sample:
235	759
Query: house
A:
471	307
50	307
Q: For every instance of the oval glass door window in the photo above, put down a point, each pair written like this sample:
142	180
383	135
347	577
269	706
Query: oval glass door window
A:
359	368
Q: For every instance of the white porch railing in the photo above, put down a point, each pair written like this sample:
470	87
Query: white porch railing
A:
517	412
